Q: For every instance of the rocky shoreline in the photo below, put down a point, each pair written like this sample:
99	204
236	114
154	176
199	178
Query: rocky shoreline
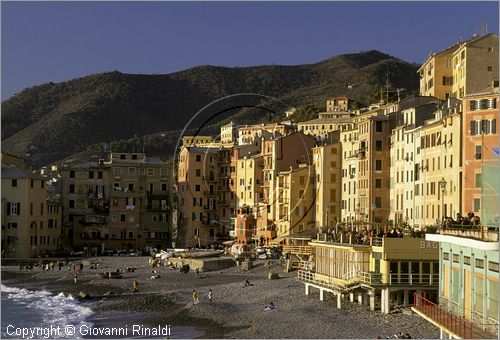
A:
236	311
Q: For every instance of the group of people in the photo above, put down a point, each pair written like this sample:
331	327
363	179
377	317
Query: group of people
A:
196	296
461	221
362	236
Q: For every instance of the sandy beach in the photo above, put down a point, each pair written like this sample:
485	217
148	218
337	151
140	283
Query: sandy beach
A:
236	311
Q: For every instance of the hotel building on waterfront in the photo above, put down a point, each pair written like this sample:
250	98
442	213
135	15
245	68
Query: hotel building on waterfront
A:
31	218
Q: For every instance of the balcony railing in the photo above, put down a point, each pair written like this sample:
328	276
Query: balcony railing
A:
455	324
414	279
482	233
299	250
320	280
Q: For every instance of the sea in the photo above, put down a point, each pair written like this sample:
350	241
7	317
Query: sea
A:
28	309
31	314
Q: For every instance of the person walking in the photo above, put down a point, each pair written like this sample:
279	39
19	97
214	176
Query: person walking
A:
135	285
210	296
195	297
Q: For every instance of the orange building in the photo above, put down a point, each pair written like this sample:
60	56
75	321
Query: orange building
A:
480	136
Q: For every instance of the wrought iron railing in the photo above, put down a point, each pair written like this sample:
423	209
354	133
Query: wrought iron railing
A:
453	323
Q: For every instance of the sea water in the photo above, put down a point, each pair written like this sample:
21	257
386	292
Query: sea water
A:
26	309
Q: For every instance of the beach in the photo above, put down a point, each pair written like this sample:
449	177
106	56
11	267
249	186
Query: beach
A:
235	312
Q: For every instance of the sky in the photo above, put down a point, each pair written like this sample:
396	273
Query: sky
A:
56	41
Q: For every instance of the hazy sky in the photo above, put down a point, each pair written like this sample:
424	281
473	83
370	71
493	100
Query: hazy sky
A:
56	41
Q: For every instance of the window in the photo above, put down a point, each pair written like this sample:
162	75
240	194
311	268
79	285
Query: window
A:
446	256
14	183
197	188
490	68
123	217
71	203
198	172
42	184
456	258
131	171
478	180
378	202
163	187
378	183
378	145
478	152
378	127
477	204
71	188
198	158
99	175
91	174
479	263
378	165
41	209
72	174
467	260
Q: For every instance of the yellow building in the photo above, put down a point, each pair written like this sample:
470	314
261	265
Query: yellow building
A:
405	163
295	201
440	159
337	103
228	134
327	162
198	141
475	65
325	123
349	163
388	270
247	134
249	175
197	196
436	74
31	224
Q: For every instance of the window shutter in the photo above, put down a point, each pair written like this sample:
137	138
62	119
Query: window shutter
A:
8	208
472	105
18	208
493	126
472	127
484	126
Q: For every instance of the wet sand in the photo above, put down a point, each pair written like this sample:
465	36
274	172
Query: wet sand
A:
236	311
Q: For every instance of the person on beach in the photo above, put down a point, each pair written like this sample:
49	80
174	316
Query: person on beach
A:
195	297
210	296
135	285
270	306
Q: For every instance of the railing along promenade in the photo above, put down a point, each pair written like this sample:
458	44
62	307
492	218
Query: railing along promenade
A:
453	323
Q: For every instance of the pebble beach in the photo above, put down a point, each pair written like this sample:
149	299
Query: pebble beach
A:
235	312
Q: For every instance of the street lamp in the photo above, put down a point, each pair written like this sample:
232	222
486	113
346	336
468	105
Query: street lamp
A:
442	184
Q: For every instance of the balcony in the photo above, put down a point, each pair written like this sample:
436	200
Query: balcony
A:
458	326
481	233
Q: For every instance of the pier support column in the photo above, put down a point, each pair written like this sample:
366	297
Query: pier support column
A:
321	294
385	300
360	299
307	289
339	301
372	302
351	297
406	299
382	299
